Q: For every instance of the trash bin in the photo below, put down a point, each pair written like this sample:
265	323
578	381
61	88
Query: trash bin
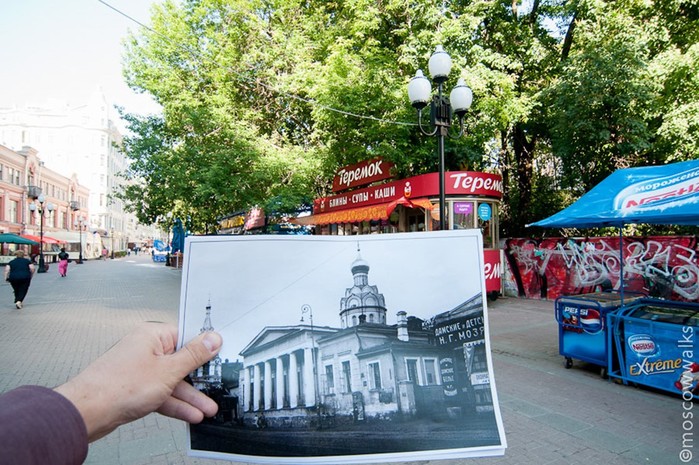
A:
582	325
655	344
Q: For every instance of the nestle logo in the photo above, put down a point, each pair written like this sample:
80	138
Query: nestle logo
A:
643	344
658	191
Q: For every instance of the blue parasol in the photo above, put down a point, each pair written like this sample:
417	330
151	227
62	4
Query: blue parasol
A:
177	244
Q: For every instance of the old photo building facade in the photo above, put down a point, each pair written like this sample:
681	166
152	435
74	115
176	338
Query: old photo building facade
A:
306	375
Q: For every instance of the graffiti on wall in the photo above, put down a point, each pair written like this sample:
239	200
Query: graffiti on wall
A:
661	266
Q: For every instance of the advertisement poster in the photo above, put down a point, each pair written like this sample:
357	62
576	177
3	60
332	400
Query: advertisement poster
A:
659	346
342	349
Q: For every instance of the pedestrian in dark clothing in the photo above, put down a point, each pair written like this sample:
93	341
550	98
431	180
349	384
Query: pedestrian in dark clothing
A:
19	273
63	262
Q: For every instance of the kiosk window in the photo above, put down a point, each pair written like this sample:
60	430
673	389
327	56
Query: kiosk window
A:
486	223
464	215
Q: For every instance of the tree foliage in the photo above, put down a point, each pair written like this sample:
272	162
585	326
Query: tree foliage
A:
264	99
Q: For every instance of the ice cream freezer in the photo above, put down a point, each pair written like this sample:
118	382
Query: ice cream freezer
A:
582	327
654	344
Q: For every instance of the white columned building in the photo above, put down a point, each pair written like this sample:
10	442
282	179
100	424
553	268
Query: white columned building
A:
293	382
280	382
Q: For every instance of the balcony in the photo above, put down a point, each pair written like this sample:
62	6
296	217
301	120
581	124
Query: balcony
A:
74	205
33	192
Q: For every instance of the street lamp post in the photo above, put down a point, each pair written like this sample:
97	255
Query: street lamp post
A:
441	109
80	223
169	243
305	308
41	209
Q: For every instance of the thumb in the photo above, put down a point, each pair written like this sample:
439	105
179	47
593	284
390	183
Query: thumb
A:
195	353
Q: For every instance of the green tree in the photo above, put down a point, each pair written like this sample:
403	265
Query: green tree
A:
214	151
626	94
264	99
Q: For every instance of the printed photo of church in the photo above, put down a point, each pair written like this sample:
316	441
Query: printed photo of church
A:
318	376
364	369
421	382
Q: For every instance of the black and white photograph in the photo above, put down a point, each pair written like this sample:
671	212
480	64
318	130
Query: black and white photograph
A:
342	349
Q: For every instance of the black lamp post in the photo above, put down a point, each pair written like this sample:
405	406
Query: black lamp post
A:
80	223
169	243
41	209
441	109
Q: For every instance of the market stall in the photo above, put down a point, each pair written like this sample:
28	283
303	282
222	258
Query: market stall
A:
367	200
667	194
7	254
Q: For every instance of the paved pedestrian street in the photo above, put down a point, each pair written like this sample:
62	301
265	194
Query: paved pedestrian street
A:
551	415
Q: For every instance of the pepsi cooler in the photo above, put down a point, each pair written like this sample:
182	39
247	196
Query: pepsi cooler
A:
582	325
655	345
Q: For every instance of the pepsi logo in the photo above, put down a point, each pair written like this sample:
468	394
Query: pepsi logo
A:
591	320
642	344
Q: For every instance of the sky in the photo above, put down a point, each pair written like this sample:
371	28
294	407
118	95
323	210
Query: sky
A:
256	281
67	49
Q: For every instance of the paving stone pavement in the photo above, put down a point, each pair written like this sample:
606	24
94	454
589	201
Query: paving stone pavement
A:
551	415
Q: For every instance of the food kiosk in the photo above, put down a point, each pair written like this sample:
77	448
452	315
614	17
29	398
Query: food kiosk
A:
411	204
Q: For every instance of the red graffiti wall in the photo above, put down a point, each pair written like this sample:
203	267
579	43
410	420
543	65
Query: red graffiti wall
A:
661	266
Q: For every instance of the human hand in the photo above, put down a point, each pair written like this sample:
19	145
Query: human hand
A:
141	374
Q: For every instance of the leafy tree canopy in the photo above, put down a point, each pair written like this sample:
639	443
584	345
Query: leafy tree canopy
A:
264	99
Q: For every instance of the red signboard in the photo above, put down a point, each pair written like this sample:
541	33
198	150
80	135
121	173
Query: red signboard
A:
466	183
362	174
492	269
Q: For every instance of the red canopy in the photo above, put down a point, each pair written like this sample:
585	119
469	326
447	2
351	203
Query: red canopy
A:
380	211
47	239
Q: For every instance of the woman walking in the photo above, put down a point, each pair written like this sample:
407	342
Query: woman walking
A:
19	273
63	262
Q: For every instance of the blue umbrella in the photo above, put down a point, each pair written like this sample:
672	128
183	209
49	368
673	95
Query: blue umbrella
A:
177	236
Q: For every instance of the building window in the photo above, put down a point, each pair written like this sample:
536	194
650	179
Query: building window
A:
413	373
374	369
329	380
482	395
431	372
480	359
346	377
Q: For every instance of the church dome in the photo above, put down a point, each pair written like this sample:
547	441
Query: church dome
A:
362	302
360	266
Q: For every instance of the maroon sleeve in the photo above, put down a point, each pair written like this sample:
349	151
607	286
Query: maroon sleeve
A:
40	426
